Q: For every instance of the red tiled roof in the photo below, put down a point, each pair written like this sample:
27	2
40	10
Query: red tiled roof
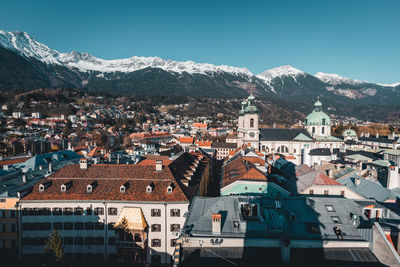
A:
254	160
240	169
110	177
95	152
203	143
13	161
319	178
186	140
152	162
200	125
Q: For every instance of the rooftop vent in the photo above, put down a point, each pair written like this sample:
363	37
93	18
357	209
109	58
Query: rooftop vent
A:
216	223
83	164
159	165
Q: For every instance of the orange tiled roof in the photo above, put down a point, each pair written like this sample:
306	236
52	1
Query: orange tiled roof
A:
240	169
202	143
254	160
13	161
95	152
186	140
200	125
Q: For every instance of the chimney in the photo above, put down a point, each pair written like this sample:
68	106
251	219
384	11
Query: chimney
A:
50	167
159	165
40	167
24	178
357	181
83	164
359	165
216	223
377	135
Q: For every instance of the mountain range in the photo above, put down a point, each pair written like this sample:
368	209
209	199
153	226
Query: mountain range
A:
27	64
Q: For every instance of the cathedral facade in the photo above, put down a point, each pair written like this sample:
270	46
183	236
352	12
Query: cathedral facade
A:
294	144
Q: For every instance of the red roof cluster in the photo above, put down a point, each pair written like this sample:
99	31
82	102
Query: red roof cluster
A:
241	169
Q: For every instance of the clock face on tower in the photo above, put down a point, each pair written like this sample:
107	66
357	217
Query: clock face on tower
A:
252	134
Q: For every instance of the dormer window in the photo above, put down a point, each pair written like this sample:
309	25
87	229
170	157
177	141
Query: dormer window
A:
90	187
170	188
66	186
124	187
41	188
150	188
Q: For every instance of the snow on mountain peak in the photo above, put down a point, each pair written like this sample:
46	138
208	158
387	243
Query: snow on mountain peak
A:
335	78
286	70
27	46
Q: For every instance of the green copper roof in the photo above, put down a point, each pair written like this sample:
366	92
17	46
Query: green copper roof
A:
302	137
327	138
349	132
394	152
358	157
382	163
317	116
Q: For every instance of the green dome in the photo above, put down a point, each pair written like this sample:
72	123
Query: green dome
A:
251	98
317	116
349	132
251	109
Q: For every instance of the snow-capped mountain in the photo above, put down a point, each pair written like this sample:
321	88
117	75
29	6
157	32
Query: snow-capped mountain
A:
28	64
27	46
332	78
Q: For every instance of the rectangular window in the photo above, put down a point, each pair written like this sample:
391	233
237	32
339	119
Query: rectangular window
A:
112	211
111	240
68	240
335	219
3	213
111	226
68	211
13	228
57	226
329	208
68	226
3	227
78	240
175	227
78	211
311	192
57	211
88	211
99	226
99	211
342	193
78	225
173	242
156	227
326	192
156	242
175	212
156	212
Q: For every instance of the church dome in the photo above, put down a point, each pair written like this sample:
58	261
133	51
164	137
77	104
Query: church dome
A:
317	116
349	133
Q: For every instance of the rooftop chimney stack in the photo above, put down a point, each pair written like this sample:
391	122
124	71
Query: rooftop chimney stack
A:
357	181
50	167
83	164
159	165
216	223
24	178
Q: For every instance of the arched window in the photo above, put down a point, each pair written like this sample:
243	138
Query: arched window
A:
323	130
283	149
251	123
313	130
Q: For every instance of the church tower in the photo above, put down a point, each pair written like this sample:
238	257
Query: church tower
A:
248	131
318	123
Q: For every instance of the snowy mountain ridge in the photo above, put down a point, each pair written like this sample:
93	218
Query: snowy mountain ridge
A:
27	46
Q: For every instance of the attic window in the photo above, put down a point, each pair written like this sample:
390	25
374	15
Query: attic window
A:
329	208
89	189
335	219
123	187
170	188
41	188
150	188
63	188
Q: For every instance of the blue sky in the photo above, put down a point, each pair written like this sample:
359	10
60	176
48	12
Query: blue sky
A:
356	39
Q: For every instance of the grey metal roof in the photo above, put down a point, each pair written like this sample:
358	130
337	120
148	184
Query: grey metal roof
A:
293	217
368	189
278	134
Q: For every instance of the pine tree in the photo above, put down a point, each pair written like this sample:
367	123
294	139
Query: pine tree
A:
54	247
